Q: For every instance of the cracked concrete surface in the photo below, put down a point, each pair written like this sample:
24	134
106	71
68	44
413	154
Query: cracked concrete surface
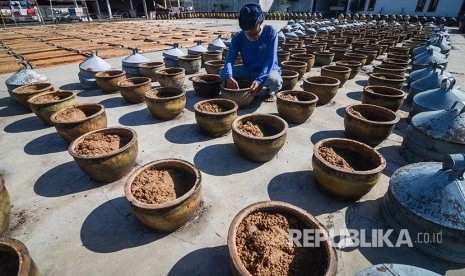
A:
73	225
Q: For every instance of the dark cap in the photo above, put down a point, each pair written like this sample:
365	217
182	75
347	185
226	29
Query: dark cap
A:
250	16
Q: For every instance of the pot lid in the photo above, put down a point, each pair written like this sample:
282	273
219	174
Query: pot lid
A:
429	82
299	33
424	48
94	64
290	22
443	45
228	41
430	55
286	29
301	22
173	53
439	98
281	36
217	42
395	270
432	67
291	35
433	191
197	50
135	58
25	75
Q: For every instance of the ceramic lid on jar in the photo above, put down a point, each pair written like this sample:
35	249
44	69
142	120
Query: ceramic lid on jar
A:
301	22
440	98
197	49
299	33
135	58
310	31
287	29
429	56
281	36
290	22
291	35
443	45
217	42
173	53
94	64
428	82
26	75
420	50
432	67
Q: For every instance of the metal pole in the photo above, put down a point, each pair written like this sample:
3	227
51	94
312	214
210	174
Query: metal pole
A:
110	16
145	9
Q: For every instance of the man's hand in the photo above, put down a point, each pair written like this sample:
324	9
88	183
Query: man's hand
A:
254	87
231	83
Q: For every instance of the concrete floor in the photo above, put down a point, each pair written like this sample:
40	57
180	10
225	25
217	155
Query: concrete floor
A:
75	226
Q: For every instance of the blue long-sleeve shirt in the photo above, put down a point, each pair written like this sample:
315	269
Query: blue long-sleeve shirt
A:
260	56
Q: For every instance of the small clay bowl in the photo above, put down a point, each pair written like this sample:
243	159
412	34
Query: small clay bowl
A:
298	109
25	92
389	69
215	123
212	55
171	77
108	80
166	103
324	87
390	80
133	89
324	58
294	65
356	57
207	85
242	96
341	73
148	69
44	105
214	66
355	67
283	56
388	97
190	63
290	79
307	58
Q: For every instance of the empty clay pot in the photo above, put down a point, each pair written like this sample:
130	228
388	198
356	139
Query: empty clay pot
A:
212	55
295	106
167	216
290	79
397	62
166	103
297	51
355	67
356	57
283	56
390	80
207	85
398	56
77	120
341	73
45	105
111	165
312	48
214	66
351	179
133	89
25	92
171	77
338	53
388	97
307	58
389	69
108	81
214	117
324	58
16	259
5	207
399	50
286	46
190	63
242	96
324	87
259	148
148	69
296	66
371	54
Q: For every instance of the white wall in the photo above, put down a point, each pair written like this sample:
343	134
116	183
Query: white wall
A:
444	8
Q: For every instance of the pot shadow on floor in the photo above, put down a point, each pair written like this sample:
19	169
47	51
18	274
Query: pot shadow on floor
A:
205	261
362	83
299	189
112	227
324	134
367	215
6	101
341	111
64	179
90	93
138	118
222	160
393	159
186	134
192	99
48	143
32	123
406	106
114	102
356	95
76	87
13	109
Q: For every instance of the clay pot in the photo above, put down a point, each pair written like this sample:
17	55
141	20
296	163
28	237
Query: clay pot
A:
341	73
355	67
338	53
324	58
207	85
283	56
299	43
5	207
190	63
25	92
324	87
260	149
214	66
296	111
70	130
242	96
286	46
148	69
111	166
216	123
324	251
307	58
369	124
312	48
399	50
169	216
290	79
296	66
133	89
16	259
297	51
343	183
389	69
397	62
375	47
212	55
399	57
356	44
390	80
371	54
383	96
44	110
166	103
356	57
171	77
108	81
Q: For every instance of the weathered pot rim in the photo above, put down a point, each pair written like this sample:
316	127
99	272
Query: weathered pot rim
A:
108	130
130	197
120	73
294	63
388	66
152	64
46	85
272	137
323	53
172	71
71	95
364	50
297	92
143	81
355	55
21	251
201	76
292	74
388	77
398	61
339	49
303	55
375	107
283	53
215	62
400	95
336	81
181	91
332	68
279	208
317	155
212	53
190	57
247	89
229	111
348	63
98	113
